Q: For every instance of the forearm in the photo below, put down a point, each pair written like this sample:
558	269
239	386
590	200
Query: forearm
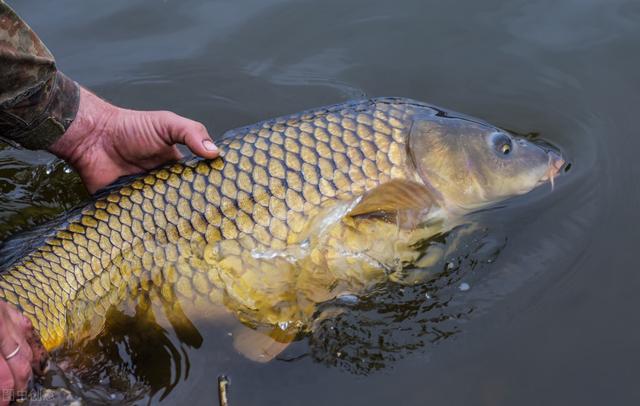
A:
37	102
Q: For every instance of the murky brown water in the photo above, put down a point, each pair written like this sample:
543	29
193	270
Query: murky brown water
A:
550	313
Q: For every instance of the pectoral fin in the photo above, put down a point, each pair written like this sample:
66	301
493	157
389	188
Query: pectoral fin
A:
258	346
400	199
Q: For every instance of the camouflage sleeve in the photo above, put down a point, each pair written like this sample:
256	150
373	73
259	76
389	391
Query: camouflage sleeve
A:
37	102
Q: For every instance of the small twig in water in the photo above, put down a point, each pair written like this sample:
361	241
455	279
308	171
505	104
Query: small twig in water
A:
223	383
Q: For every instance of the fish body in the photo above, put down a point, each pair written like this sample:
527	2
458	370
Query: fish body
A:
296	211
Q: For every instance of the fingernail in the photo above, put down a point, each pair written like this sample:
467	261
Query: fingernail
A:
209	146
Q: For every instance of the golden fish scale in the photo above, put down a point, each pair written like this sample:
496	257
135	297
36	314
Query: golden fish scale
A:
167	230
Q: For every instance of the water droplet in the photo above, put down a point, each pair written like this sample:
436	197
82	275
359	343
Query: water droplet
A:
67	169
427	296
338	354
283	325
230	334
50	167
450	265
464	287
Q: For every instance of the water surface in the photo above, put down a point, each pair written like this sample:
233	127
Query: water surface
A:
549	316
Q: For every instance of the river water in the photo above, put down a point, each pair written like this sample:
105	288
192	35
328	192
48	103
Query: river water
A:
548	316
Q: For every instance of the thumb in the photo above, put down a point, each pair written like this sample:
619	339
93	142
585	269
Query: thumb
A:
191	133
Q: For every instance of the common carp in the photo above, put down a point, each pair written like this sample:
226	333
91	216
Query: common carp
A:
296	211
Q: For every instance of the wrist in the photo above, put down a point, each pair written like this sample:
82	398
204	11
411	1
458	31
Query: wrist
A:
87	129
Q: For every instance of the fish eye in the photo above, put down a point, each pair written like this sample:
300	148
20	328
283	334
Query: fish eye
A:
502	144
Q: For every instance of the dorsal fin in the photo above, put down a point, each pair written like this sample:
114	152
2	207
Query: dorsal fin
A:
394	196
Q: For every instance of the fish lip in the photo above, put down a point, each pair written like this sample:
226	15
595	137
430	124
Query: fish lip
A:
557	165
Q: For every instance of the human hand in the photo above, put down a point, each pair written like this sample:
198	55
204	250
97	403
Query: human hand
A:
106	142
25	353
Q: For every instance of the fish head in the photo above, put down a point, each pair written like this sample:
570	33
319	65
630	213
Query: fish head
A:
469	164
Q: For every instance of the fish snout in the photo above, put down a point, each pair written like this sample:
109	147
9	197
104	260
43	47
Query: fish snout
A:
556	163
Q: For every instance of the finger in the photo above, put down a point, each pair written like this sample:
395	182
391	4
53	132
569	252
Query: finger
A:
39	355
19	362
14	346
20	366
7	386
18	319
173	154
191	133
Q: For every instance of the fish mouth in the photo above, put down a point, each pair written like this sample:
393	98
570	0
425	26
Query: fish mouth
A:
555	166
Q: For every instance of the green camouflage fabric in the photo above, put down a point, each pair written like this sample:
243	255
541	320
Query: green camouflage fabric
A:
37	102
